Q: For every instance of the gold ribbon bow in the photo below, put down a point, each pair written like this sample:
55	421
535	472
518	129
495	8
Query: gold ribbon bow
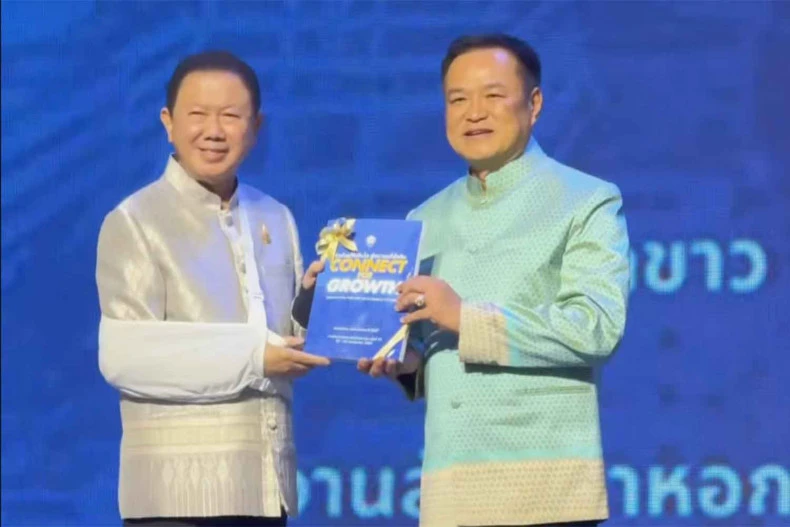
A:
333	236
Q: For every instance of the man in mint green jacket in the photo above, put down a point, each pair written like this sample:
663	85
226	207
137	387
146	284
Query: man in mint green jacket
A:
524	297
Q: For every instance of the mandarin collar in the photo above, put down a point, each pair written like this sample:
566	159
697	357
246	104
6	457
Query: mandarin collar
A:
507	177
188	187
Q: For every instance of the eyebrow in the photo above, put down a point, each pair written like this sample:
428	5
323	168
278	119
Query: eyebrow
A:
454	91
214	107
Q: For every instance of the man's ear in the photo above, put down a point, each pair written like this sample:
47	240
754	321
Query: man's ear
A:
167	122
536	101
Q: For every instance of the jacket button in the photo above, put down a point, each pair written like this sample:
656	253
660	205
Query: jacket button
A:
272	423
455	404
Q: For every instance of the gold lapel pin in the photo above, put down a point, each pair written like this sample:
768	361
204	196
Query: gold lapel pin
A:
267	239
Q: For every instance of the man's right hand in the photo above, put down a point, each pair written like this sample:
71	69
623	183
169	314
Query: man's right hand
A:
389	367
289	360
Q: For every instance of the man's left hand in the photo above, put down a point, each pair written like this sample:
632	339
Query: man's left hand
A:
433	300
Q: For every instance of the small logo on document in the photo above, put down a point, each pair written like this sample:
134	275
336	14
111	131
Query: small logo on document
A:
370	241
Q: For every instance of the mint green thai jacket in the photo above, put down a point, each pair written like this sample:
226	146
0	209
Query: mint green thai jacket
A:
539	257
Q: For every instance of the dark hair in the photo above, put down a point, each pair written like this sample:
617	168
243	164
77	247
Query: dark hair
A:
215	60
527	57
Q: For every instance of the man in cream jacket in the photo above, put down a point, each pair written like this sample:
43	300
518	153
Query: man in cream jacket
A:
196	274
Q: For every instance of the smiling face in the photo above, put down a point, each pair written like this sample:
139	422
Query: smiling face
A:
489	111
212	125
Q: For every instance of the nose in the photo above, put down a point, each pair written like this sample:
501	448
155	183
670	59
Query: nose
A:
214	129
477	110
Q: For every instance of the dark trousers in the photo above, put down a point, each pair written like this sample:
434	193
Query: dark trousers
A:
218	521
591	523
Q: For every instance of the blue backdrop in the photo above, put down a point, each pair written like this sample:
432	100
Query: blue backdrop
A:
683	105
